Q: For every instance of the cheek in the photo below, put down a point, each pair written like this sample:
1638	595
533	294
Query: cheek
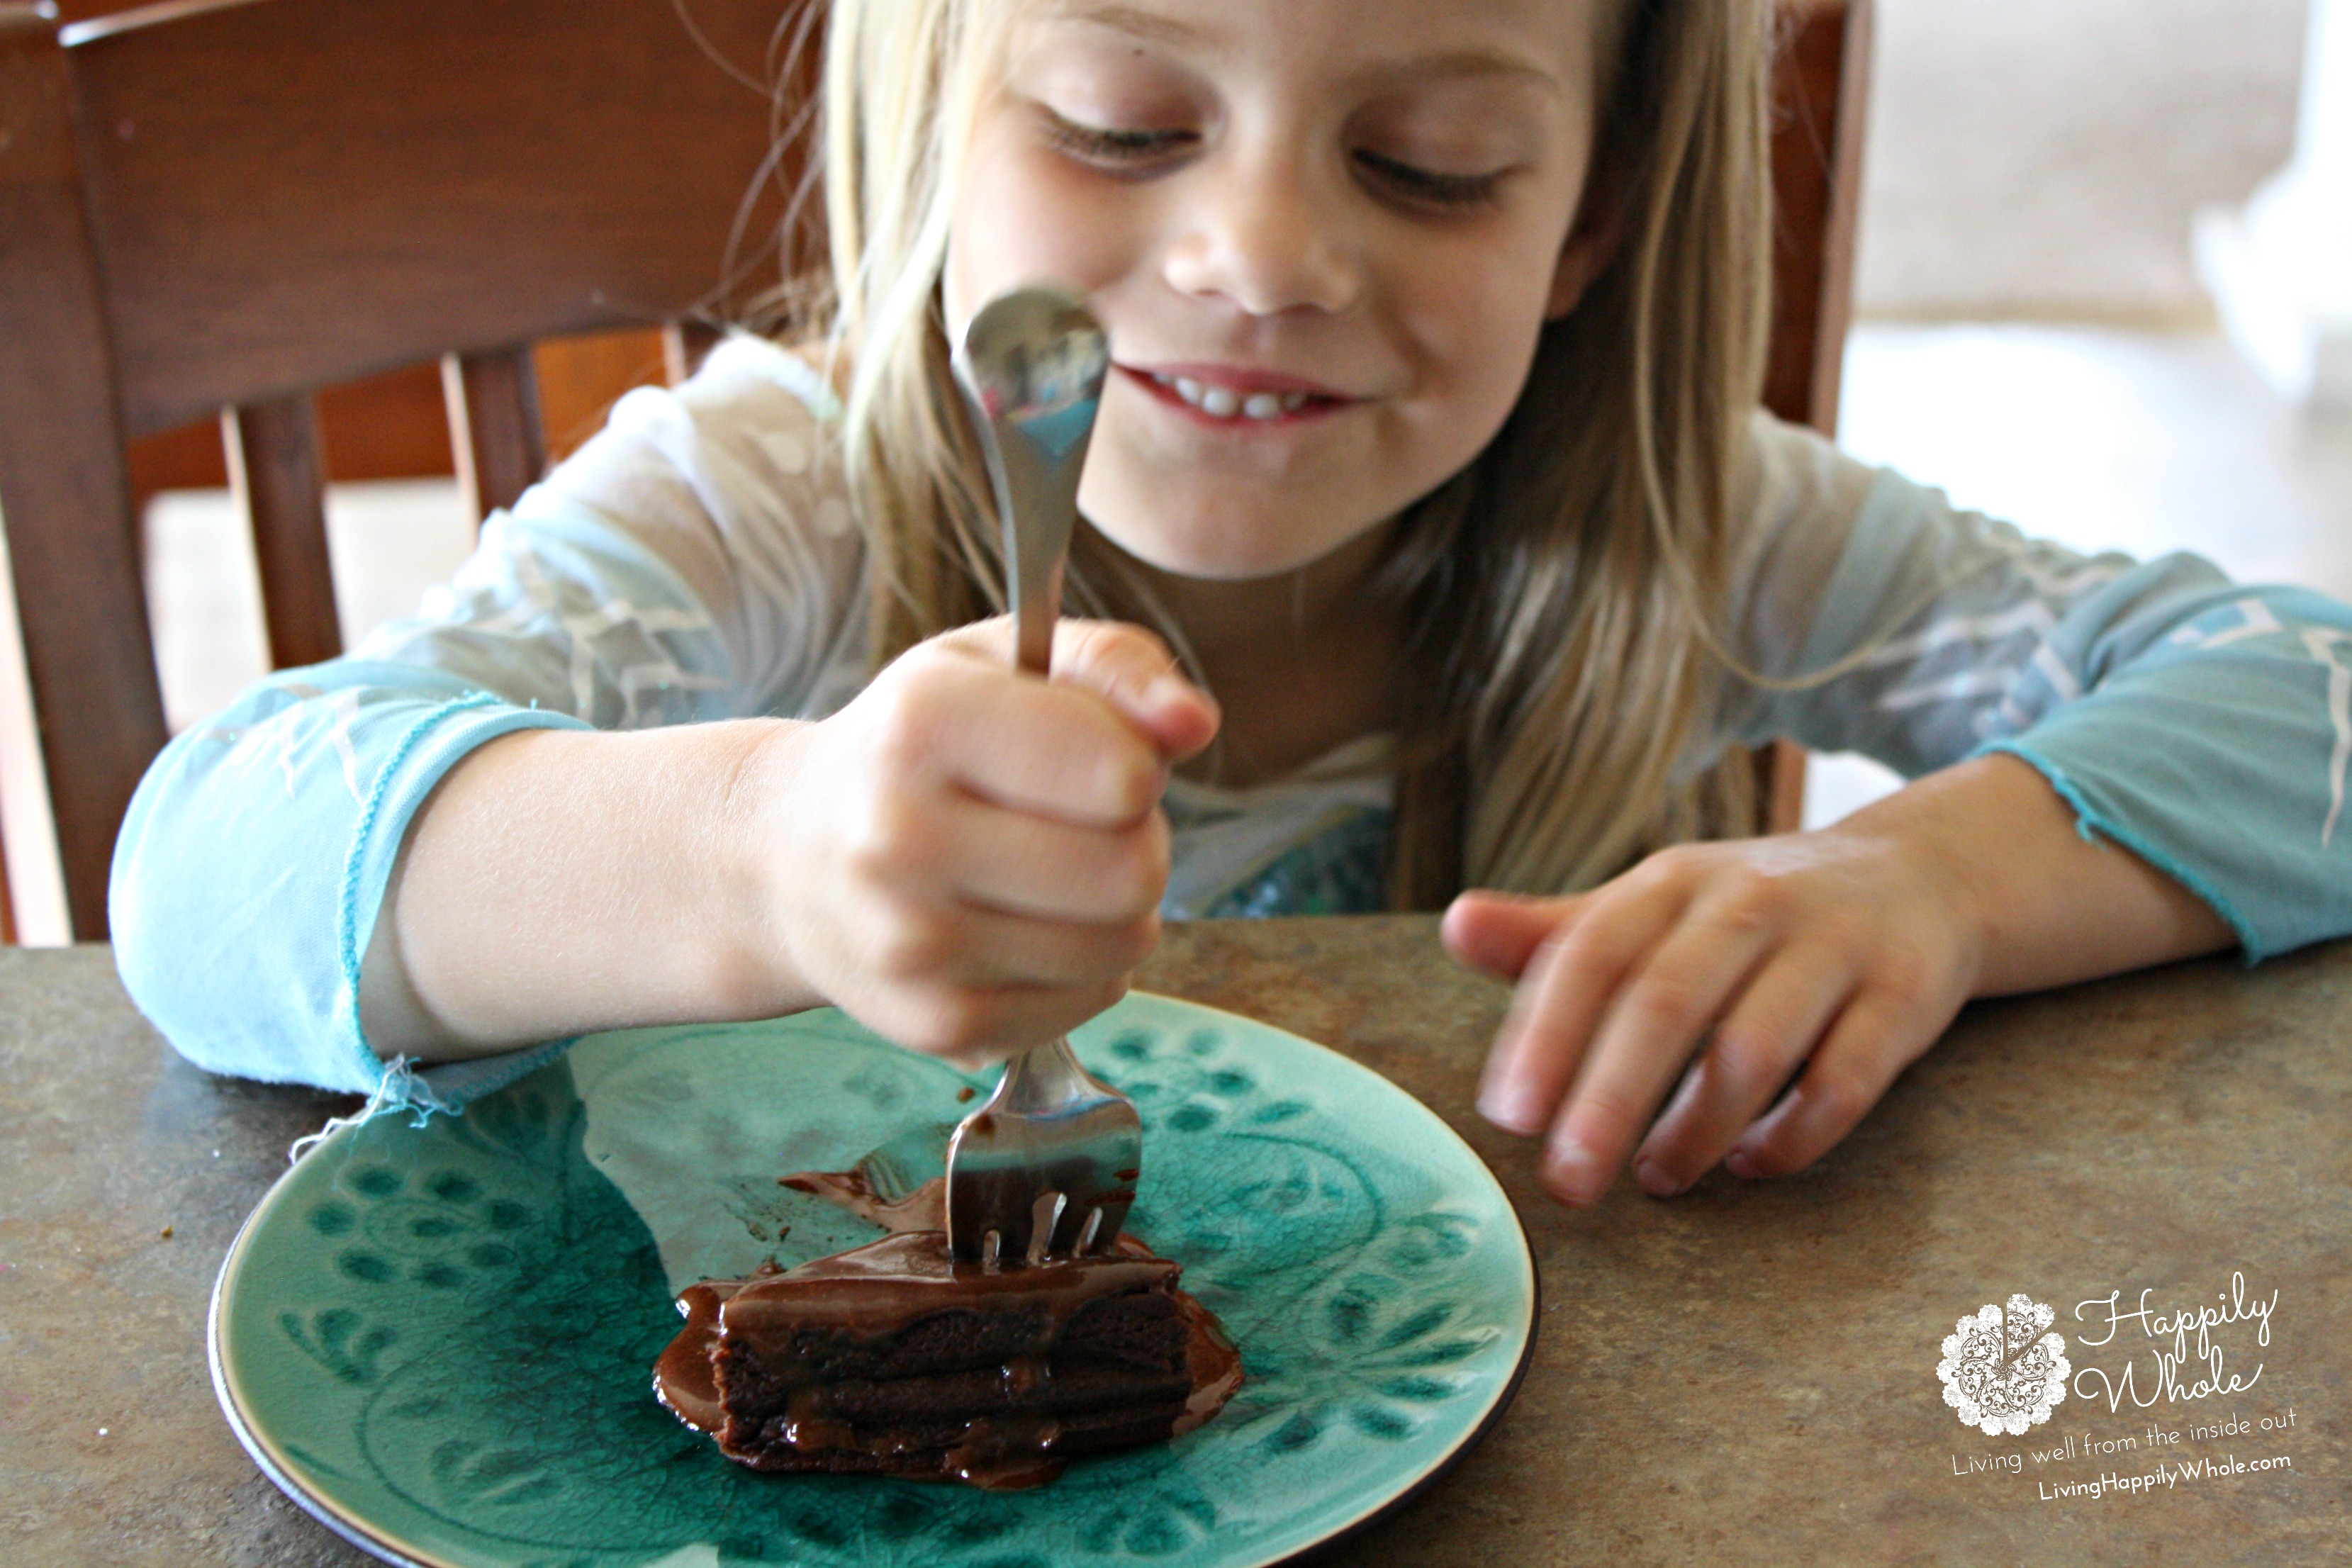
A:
1019	219
1477	323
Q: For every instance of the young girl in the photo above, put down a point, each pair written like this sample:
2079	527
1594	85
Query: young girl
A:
1430	454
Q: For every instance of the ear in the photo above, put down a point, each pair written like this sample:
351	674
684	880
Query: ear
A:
1592	240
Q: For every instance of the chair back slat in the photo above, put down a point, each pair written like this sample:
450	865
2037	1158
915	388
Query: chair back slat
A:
495	427
65	492
377	182
1822	80
275	471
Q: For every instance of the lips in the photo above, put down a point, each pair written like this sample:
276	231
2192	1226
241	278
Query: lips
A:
1225	393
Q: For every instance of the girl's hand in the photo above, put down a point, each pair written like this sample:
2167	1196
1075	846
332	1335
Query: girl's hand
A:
1844	953
969	860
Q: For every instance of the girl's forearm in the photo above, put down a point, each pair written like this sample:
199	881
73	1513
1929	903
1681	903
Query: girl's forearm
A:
560	881
2046	905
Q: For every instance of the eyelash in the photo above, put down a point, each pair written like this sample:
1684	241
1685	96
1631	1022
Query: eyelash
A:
1126	149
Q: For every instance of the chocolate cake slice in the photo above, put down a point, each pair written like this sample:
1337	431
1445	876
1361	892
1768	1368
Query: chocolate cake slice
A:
893	1358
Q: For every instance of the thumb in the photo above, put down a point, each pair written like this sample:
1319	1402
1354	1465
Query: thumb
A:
1132	670
1498	933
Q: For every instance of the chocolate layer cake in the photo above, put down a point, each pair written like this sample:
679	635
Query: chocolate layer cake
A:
891	1359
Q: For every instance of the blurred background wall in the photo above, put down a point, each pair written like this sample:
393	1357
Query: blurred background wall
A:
2045	158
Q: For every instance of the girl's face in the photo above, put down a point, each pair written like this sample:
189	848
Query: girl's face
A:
1323	235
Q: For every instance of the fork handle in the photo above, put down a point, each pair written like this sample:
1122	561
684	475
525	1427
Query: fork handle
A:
1040	606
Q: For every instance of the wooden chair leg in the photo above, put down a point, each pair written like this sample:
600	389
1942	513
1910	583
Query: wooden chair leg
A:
81	609
276	472
494	426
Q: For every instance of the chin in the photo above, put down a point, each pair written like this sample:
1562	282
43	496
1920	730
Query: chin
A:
1221	545
1211	555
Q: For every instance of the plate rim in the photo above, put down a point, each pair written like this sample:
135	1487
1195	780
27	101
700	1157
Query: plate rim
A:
357	1533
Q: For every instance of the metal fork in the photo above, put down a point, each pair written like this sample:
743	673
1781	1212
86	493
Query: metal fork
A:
1047	1165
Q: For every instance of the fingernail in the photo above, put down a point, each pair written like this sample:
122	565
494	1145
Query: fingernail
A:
1170	689
1655	1181
1572	1173
1511	1108
1742	1163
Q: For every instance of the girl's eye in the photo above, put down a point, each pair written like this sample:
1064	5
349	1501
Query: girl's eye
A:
1112	147
1423	186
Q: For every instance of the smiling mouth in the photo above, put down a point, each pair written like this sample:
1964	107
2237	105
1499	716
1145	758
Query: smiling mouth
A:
1229	406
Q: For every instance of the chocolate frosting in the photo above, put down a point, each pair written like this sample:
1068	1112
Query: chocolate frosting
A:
876	1291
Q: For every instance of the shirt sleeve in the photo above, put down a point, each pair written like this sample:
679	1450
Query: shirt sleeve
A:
2203	725
692	562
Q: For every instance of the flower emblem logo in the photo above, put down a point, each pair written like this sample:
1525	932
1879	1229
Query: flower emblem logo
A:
2003	1368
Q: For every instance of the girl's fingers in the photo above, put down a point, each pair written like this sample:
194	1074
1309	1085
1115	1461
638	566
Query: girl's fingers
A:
988	949
1019	743
1653	1025
972	1024
1499	932
1559	1000
1877	1036
1019	864
1771	1029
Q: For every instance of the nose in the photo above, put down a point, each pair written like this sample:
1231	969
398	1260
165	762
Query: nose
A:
1265	235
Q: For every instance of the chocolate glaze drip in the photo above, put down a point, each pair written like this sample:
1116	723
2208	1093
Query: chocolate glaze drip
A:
807	1322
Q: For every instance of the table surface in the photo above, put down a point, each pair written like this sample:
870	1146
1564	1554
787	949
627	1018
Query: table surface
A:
1746	1372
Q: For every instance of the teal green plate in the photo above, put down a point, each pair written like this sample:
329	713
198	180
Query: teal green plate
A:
439	1338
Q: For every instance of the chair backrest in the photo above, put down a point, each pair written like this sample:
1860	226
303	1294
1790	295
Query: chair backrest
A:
215	206
1820	89
219	205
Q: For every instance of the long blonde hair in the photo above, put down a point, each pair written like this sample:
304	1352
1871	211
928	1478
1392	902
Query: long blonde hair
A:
1565	593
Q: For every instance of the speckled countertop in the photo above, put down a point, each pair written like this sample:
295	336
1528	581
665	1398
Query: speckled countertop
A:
1744	1373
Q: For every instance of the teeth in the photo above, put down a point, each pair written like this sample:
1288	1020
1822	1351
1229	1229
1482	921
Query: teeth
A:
1223	403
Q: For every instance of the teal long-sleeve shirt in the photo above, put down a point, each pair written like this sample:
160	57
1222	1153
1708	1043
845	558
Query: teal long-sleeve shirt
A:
696	562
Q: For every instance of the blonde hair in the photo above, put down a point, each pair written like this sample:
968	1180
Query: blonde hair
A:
1564	595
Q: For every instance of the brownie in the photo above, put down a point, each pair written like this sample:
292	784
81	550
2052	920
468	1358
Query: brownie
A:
893	1358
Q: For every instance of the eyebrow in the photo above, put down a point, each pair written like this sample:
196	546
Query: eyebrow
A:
1446	65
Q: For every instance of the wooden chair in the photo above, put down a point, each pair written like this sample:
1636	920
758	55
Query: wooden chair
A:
218	205
221	205
1820	92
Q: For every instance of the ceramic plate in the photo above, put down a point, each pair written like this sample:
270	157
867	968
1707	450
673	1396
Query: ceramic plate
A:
439	1338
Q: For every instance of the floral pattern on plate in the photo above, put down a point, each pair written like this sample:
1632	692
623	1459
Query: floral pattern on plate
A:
439	1338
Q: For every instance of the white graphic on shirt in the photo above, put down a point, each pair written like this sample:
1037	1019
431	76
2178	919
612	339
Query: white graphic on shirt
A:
2254	619
2032	615
2322	643
347	713
2002	1369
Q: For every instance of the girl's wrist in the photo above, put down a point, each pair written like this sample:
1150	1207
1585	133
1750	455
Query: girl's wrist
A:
1931	829
756	844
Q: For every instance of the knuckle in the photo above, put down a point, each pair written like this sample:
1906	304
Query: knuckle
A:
1668	1003
912	947
882	835
953	1022
1748	896
1141	874
1841	1097
1605	1113
1746	1066
906	728
1132	942
1124	781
